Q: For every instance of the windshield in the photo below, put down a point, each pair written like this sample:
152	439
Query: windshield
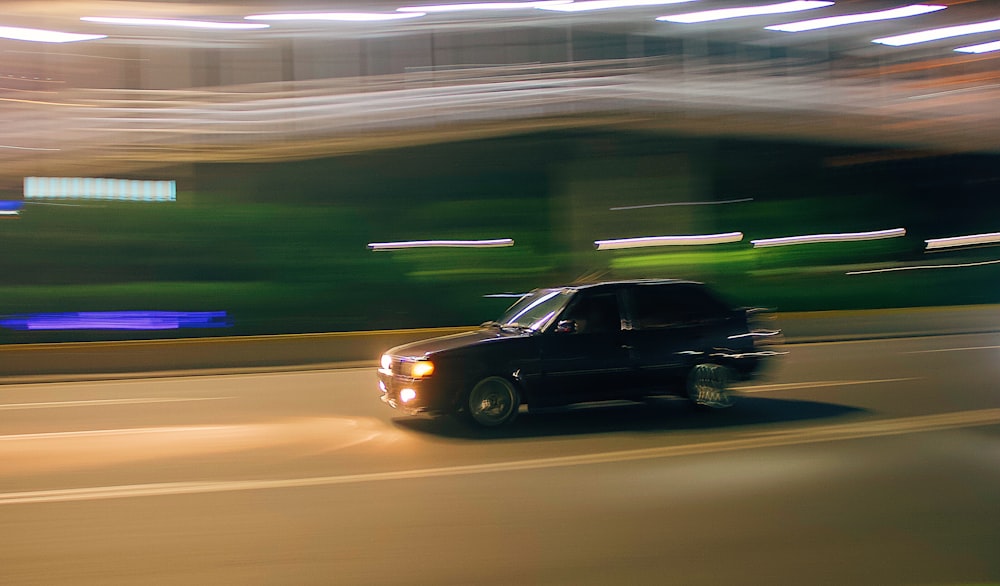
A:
536	309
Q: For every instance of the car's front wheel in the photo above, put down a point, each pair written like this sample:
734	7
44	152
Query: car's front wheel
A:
708	386
493	401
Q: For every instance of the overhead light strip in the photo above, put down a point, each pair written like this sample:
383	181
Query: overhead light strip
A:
495	243
44	36
726	13
843	237
174	22
956	241
481	6
831	21
607	4
983	48
936	34
644	241
337	16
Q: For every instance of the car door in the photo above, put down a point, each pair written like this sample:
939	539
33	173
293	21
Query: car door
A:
673	326
586	359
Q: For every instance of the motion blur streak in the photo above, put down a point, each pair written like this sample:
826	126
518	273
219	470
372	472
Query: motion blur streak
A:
843	237
691	240
44	36
117	320
970	240
940	33
285	120
495	243
920	267
726	13
818	23
175	23
99	403
842	432
34	453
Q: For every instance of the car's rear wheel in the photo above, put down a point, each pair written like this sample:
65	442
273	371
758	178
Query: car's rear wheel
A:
493	401
708	386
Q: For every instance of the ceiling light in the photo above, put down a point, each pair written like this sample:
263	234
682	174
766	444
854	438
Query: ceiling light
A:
174	22
495	243
693	240
842	237
970	240
724	13
481	6
338	16
935	34
817	23
605	4
984	48
43	36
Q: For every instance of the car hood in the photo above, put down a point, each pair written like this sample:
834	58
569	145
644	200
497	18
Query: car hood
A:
430	346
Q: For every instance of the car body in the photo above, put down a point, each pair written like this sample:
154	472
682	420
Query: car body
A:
581	343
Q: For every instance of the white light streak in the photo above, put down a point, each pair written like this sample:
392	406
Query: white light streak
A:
173	22
983	48
10	213
606	4
44	36
724	13
481	6
495	243
970	240
338	16
680	203
935	34
920	267
843	237
668	241
818	23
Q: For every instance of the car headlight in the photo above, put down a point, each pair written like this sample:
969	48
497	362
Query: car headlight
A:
386	362
422	368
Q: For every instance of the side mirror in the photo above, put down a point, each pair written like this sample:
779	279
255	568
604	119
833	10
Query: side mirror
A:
566	326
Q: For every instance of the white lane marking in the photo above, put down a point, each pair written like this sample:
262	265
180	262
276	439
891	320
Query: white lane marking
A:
99	402
108	432
840	432
953	349
817	384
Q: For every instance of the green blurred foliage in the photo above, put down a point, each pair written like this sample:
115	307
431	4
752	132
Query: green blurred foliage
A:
283	247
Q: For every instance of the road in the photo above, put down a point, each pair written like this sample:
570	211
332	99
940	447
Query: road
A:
863	462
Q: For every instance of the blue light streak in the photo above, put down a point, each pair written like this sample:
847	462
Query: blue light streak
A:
117	320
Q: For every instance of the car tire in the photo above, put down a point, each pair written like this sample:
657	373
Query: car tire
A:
492	402
708	386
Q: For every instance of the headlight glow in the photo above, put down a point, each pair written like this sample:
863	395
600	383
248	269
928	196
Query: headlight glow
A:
407	395
386	362
422	369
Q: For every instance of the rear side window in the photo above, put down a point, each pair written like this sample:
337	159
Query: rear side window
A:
663	306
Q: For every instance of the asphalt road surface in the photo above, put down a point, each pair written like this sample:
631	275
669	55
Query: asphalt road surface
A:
860	462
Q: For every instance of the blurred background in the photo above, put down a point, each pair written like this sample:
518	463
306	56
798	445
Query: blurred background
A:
202	168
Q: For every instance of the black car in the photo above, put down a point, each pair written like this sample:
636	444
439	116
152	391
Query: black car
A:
582	343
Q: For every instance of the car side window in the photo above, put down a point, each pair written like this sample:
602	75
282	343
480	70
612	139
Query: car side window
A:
663	306
596	314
